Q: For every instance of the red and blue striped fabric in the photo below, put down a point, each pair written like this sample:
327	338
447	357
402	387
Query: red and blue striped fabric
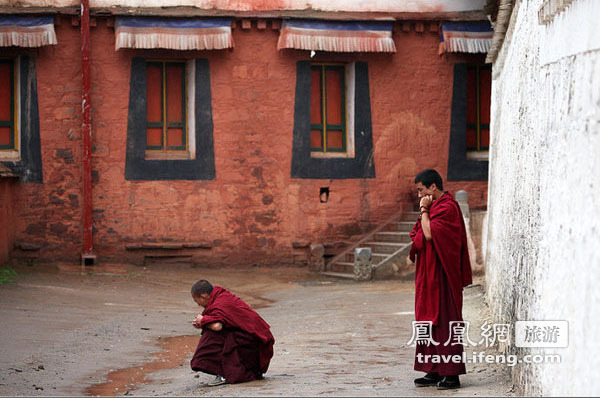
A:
466	37
173	33
337	36
24	31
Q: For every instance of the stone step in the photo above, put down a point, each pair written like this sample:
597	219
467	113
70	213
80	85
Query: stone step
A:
338	275
385	247
340	266
344	266
391	236
400	226
410	216
376	258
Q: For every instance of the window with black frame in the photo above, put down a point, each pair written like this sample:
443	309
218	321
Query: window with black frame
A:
328	108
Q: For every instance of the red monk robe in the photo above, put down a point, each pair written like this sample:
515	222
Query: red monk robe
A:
443	269
242	350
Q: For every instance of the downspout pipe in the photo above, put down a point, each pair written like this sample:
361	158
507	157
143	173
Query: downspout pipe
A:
87	257
501	23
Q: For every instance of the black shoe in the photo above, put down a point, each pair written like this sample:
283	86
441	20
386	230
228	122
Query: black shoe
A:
448	382
430	379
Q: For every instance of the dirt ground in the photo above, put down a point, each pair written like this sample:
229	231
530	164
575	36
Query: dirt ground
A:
126	330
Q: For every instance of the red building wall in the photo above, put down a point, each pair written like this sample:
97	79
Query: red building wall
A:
8	188
49	215
253	211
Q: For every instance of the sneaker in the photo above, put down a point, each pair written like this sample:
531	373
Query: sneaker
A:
430	379
217	381
448	382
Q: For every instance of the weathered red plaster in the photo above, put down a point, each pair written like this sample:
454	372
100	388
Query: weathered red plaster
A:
253	211
8	187
44	209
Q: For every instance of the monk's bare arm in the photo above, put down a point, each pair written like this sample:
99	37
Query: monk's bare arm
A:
215	326
424	204
426	225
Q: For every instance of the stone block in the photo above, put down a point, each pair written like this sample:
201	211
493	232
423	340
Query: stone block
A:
363	270
317	261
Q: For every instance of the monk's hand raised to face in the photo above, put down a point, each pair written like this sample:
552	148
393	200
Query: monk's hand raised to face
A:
426	201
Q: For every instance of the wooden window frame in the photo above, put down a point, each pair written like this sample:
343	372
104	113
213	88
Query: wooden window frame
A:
324	126
164	124
462	166
358	162
199	162
478	126
12	123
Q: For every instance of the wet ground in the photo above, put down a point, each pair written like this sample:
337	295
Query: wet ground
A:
126	330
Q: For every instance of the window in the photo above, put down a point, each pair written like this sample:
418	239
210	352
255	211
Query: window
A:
479	91
470	123
19	118
8	103
169	124
333	136
166	128
327	108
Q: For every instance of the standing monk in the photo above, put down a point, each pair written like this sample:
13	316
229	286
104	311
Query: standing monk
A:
443	269
236	343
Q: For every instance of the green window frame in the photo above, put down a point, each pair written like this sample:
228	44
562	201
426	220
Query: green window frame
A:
10	91
478	126
324	127
165	124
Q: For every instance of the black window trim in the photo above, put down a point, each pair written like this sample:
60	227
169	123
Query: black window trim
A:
362	165
202	164
29	166
460	168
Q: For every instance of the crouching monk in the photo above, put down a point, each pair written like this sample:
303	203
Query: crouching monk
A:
236	343
439	242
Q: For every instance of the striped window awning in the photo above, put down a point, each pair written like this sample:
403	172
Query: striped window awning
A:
173	33
466	37
24	31
337	36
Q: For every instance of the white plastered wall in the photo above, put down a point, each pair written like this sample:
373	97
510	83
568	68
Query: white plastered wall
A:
543	232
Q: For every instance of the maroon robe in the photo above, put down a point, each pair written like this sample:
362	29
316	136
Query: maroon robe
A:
243	349
443	269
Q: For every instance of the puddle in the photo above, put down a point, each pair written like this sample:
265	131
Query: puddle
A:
175	351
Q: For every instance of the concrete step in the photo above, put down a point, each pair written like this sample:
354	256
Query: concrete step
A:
400	226
392	240
348	266
340	266
393	237
385	247
338	275
410	216
376	258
